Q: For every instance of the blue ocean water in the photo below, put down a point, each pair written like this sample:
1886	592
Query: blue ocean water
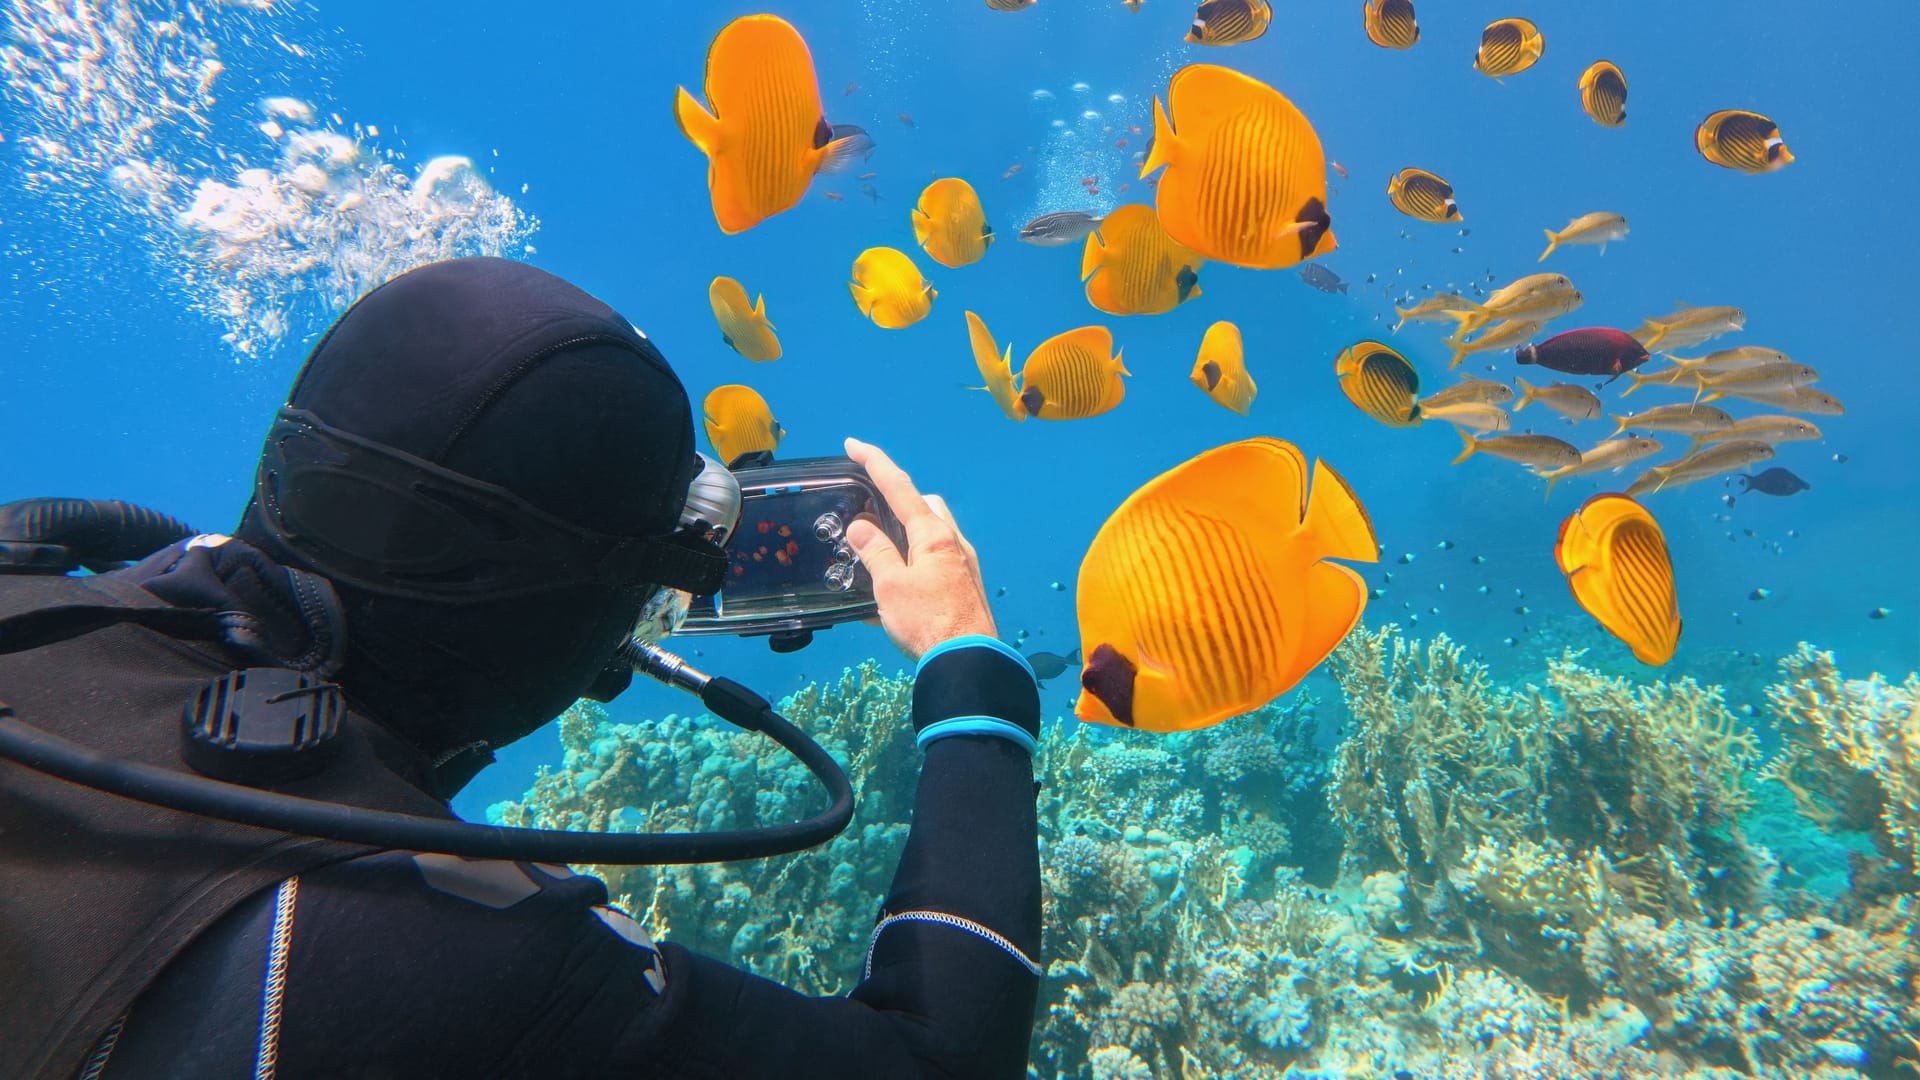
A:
117	378
113	386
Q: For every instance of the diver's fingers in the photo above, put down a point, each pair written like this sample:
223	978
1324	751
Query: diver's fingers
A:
896	487
938	504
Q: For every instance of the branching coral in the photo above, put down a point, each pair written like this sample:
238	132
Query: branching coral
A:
1657	775
1437	757
1853	749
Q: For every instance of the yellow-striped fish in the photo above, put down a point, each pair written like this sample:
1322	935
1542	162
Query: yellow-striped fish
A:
1686	326
1418	193
1684	419
1072	376
1507	335
1436	308
1508	47
767	134
1132	267
1246	179
1390	24
1802	399
1570	401
1598	227
1248	607
739	423
1537	298
1485	391
1772	429
949	223
1381	382
888	288
1756	379
1603	93
1609	456
1728	359
1738	139
1764	378
995	368
1702	464
1616	562
1229	22
1540	451
1471	415
1221	368
743	326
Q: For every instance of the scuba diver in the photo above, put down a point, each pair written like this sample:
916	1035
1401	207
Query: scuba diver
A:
224	768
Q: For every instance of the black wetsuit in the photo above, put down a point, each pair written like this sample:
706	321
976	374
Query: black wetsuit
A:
400	965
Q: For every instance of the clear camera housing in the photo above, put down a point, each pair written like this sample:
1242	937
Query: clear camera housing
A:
789	565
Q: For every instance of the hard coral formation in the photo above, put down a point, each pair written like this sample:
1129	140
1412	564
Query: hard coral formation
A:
1852	757
1548	880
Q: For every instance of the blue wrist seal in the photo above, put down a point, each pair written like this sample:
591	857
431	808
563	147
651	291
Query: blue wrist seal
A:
975	685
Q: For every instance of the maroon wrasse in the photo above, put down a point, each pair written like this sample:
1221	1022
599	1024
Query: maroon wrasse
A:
1593	350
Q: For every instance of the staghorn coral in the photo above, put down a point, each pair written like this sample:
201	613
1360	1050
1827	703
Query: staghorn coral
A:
1855	739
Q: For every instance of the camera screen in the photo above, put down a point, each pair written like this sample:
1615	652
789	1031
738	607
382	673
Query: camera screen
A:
788	559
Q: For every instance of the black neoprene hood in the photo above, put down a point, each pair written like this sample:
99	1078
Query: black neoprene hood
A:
512	376
507	375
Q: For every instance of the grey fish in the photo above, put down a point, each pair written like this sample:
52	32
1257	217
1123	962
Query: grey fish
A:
1059	228
1048	665
861	148
1774	481
1322	278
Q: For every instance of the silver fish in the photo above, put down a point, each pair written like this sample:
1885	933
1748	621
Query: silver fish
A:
1059	228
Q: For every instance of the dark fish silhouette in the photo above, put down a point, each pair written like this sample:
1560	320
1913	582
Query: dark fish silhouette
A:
1048	665
1322	278
1774	481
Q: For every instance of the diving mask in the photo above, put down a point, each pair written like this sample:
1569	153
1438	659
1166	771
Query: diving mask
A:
712	511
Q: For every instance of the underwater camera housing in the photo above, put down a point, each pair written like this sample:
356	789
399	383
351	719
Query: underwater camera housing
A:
790	570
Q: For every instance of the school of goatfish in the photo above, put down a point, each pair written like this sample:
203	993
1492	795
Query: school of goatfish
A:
1236	174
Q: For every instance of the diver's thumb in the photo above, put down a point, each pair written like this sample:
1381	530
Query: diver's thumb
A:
874	547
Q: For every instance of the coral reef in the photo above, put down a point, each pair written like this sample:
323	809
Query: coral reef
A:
1449	878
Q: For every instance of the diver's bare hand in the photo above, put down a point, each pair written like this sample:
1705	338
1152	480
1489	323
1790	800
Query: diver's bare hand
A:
932	591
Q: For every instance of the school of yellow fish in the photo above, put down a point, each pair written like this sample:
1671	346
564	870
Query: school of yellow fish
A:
1242	180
